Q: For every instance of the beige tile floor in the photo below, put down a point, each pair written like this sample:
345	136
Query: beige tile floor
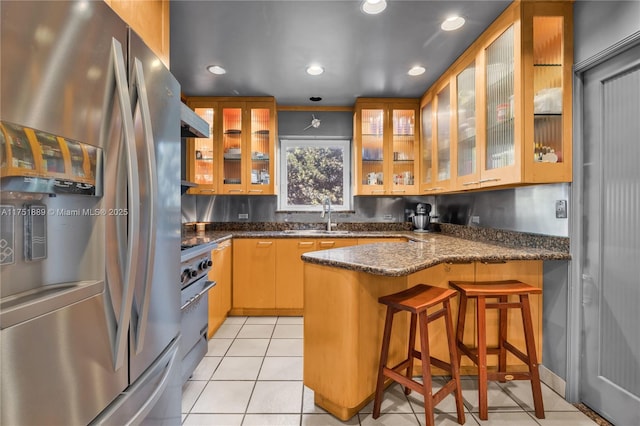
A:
252	376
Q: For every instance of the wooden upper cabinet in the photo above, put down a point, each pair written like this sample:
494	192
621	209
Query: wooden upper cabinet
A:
238	157
248	147
150	20
510	102
465	107
387	155
203	153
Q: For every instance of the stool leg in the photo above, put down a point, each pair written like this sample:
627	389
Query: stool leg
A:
482	358
455	366
531	353
462	313
426	368
412	343
384	353
502	337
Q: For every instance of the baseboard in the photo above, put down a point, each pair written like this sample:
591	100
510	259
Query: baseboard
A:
552	380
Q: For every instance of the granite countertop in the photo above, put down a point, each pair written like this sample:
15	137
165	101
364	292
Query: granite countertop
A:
455	244
398	259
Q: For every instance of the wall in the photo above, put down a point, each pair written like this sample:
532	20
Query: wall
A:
601	24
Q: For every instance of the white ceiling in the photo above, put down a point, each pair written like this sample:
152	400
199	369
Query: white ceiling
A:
265	46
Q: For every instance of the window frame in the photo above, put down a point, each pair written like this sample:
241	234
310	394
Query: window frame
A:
324	142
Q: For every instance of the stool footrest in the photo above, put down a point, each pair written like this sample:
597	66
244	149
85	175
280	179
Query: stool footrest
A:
403	380
444	391
434	361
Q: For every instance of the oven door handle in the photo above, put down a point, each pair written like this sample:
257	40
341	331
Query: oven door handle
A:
208	286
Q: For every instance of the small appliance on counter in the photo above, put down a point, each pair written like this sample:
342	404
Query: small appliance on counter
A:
421	219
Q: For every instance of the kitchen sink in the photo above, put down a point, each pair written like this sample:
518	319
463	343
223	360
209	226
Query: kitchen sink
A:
314	232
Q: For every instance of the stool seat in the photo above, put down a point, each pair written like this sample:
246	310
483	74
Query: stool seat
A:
501	290
494	288
416	300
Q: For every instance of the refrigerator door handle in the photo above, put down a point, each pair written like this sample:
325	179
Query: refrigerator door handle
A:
121	284
139	97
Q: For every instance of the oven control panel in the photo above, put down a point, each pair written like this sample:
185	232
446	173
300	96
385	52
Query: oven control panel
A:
194	268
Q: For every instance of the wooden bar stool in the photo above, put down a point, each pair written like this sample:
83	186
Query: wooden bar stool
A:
482	290
416	300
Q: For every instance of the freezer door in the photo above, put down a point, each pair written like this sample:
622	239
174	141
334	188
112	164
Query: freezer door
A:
155	320
51	377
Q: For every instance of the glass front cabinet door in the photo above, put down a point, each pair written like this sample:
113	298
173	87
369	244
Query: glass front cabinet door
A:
526	96
248	134
547	61
387	147
202	155
238	156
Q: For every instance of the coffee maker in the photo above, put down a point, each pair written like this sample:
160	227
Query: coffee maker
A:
421	219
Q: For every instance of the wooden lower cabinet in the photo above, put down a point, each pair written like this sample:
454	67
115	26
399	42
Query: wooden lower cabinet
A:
268	275
220	294
254	276
289	272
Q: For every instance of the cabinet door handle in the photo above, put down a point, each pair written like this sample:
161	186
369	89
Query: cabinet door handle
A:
256	190
236	190
493	262
327	243
264	243
471	183
305	244
377	191
207	190
489	180
401	191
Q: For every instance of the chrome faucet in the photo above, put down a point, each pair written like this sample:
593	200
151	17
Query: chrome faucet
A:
326	208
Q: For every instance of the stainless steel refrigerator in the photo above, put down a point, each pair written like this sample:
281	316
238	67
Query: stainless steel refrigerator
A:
90	308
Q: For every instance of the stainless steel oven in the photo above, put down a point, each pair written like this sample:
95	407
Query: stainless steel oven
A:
195	266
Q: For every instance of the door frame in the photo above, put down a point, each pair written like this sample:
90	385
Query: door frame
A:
575	291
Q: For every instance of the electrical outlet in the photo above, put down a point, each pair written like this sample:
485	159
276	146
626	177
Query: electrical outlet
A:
561	209
389	217
243	215
475	220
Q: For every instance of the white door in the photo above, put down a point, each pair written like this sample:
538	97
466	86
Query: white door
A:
610	352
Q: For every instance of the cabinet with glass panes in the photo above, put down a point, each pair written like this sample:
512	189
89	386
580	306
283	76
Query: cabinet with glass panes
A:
238	156
511	104
387	156
437	137
202	153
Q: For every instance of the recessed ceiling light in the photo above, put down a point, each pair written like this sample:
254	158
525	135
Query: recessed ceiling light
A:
452	23
315	70
417	70
373	7
216	69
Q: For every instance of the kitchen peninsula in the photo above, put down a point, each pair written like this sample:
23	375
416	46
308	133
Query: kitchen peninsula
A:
344	321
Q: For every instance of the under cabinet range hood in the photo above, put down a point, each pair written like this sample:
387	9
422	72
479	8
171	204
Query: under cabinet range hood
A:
192	125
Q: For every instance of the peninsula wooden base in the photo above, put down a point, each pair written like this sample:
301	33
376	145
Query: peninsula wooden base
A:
343	324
